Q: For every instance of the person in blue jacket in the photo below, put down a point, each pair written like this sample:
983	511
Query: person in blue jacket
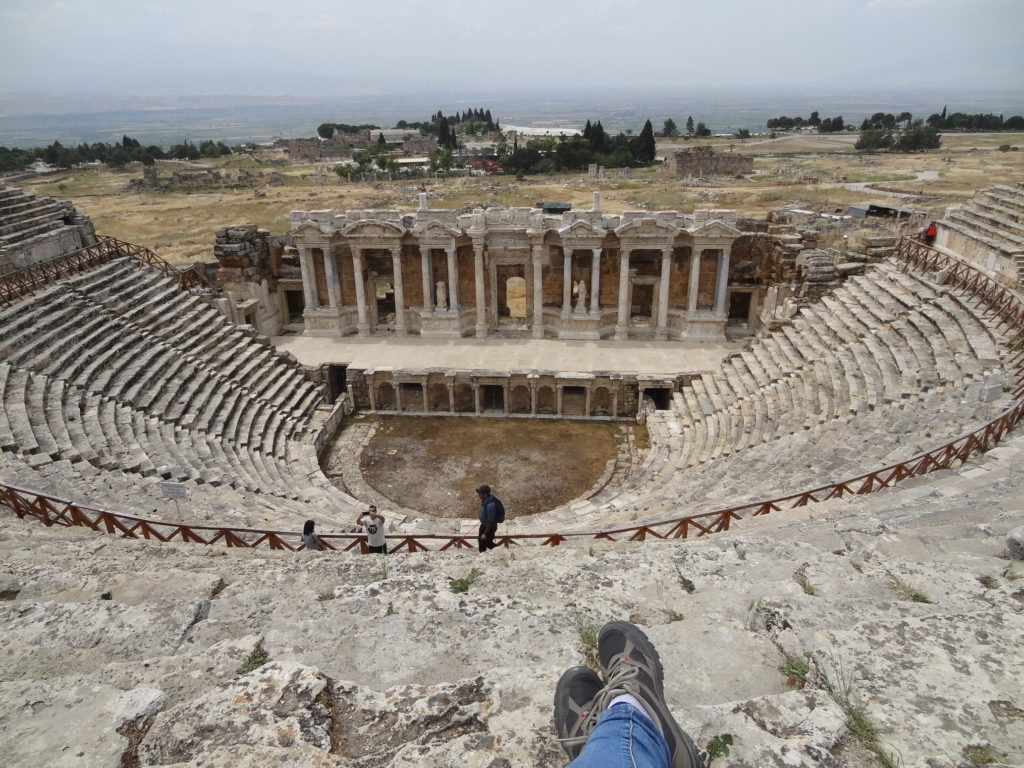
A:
491	513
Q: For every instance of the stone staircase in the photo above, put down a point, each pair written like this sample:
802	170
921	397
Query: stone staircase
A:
899	607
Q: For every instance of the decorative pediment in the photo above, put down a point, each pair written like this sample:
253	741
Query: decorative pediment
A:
716	228
373	228
647	227
434	231
580	229
311	229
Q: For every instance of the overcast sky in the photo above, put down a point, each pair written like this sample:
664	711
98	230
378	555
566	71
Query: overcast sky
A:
280	47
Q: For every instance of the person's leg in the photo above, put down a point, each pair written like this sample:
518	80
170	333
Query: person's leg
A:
492	531
632	667
624	737
481	538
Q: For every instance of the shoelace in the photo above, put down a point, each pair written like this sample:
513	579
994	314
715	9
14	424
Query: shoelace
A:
617	684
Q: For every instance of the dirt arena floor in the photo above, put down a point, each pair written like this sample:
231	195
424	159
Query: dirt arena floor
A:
433	464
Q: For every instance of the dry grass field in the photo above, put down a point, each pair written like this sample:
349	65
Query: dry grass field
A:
802	169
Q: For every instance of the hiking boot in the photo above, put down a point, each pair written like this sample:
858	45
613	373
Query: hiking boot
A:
575	705
631	665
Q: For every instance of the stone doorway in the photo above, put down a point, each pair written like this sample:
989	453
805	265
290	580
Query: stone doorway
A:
574	401
643	302
383	306
510	298
493	397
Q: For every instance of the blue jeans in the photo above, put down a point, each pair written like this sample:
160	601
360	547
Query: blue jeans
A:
623	737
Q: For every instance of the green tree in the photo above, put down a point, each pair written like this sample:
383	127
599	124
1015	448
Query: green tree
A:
874	140
669	129
702	130
325	130
645	151
742	133
814	120
689	126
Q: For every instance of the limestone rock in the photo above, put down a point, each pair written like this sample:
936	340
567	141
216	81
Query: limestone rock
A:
282	704
1015	543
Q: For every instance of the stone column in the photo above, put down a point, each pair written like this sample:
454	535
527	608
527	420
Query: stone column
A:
426	402
453	280
691	294
309	293
586	408
595	280
538	293
558	402
333	284
428	279
533	398
476	398
481	306
398	395
722	282
369	392
622	326
615	402
451	397
399	286
661	332
504	401
566	282
362	326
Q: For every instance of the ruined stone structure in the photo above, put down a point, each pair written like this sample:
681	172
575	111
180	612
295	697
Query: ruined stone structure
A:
704	161
664	275
989	230
250	269
201	179
35	229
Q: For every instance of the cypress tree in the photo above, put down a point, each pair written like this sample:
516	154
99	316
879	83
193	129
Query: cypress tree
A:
645	144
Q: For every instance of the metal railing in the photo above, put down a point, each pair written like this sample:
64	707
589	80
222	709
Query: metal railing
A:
999	301
25	282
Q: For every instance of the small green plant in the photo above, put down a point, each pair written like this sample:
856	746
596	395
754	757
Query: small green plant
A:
462	585
587	633
840	688
323	597
686	584
673	616
800	576
908	591
716	748
218	587
796	671
256	659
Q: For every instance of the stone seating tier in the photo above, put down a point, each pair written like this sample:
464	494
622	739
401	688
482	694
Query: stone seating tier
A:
88	377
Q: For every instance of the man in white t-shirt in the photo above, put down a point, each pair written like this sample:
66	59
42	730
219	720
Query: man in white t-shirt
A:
373	521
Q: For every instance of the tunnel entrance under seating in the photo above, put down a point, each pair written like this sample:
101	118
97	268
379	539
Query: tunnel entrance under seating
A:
336	381
296	304
661	397
739	307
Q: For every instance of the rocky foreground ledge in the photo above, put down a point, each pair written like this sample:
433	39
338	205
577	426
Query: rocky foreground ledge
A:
886	630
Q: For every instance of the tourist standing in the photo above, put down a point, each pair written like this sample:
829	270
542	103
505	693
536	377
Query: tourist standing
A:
492	512
309	537
373	522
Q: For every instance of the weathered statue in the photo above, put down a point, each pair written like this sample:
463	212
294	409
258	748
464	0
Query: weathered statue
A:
442	295
581	296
